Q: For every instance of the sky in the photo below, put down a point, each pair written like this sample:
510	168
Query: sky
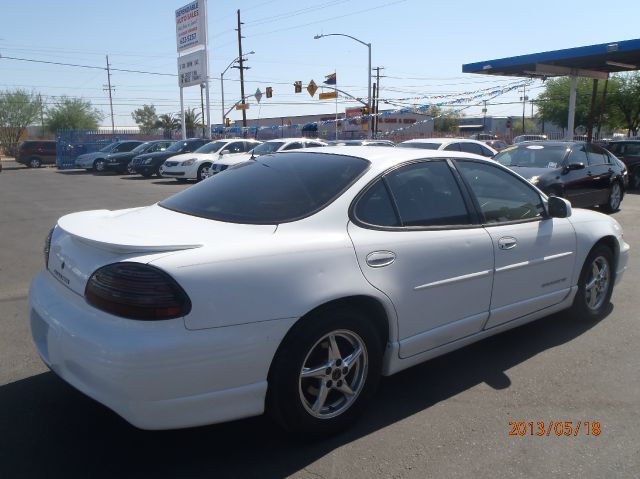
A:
421	44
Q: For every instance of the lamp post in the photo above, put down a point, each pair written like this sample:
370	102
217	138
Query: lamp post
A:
368	45
222	82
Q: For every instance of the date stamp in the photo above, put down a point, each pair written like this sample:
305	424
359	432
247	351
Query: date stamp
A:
555	427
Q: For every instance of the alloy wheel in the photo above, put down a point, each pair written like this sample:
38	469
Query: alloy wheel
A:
597	283
615	197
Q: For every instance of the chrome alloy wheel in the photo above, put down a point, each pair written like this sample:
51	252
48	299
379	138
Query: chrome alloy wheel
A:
333	374
597	284
615	197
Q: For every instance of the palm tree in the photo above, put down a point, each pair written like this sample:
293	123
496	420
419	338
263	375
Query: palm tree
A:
169	123
192	121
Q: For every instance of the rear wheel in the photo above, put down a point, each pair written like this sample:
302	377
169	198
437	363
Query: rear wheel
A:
615	198
325	372
35	162
595	285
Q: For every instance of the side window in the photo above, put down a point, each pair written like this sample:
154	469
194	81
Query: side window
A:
250	145
313	144
235	147
502	197
375	207
471	148
293	146
427	194
633	149
578	155
452	147
486	151
597	155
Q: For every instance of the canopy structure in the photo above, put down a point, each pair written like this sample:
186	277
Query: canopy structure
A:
592	61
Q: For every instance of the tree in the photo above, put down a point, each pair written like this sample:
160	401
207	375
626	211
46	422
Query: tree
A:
72	114
529	125
18	110
146	118
446	121
624	102
191	121
169	123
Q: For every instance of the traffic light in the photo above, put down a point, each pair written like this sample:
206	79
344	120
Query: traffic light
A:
227	122
365	110
297	87
269	92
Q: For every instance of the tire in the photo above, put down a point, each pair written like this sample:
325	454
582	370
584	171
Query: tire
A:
615	198
98	165
146	174
157	172
294	400
595	285
634	180
181	180
34	162
200	170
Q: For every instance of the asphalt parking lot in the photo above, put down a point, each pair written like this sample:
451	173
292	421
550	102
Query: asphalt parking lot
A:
445	418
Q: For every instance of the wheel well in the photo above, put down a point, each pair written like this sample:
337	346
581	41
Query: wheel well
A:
612	243
370	306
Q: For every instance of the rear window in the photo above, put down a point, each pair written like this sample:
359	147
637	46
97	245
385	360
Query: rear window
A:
271	189
425	146
533	156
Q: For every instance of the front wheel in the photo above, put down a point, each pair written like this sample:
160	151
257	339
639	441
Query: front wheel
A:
35	163
325	372
200	173
595	285
98	165
615	198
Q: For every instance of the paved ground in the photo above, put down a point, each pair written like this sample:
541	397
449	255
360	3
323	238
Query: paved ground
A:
446	418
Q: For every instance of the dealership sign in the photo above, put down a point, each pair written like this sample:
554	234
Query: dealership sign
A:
192	68
190	25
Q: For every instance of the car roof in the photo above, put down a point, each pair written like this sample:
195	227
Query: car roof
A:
442	140
382	159
548	143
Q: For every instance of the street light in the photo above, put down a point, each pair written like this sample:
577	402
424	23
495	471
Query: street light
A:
222	82
368	45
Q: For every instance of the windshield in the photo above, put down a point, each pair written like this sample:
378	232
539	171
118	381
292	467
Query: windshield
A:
426	146
532	156
141	148
109	147
268	147
211	147
271	190
177	146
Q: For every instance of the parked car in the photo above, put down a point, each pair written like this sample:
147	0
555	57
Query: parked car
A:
271	146
34	154
584	173
629	152
194	166
497	145
149	164
293	282
521	138
119	162
95	161
361	143
450	144
483	137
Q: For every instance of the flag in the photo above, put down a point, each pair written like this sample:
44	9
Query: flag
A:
330	79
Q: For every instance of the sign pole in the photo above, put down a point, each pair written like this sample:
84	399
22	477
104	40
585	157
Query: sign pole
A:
206	56
184	127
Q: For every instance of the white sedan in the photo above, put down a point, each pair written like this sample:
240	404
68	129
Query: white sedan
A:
293	282
451	144
192	166
270	146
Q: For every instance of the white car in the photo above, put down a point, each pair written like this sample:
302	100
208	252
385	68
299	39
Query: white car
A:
451	144
294	281
190	166
270	146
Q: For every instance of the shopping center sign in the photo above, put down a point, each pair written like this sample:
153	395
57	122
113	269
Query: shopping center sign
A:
191	26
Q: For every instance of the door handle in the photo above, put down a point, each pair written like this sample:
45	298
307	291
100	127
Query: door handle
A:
378	259
507	242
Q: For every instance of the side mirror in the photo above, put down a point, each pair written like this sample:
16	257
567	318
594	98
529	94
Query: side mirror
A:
559	207
223	152
575	166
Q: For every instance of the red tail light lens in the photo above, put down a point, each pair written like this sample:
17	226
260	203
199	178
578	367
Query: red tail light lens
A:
136	291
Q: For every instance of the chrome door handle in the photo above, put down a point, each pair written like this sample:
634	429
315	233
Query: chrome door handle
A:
507	242
378	259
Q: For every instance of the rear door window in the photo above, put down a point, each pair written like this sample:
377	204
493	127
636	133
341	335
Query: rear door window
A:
452	147
471	148
597	156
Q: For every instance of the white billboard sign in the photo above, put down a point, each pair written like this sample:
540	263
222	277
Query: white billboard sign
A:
191	25
192	68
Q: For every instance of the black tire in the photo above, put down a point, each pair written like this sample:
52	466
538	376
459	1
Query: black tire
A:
200	169
98	165
289	396
581	308
615	198
146	174
181	180
157	172
34	162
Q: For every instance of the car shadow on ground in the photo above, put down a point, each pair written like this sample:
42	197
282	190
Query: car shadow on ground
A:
50	429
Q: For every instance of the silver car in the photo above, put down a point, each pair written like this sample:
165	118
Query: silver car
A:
96	160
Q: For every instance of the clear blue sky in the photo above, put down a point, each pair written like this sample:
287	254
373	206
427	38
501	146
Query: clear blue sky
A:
422	45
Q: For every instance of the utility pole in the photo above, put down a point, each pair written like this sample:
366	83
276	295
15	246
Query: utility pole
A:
110	89
484	118
241	60
41	114
524	99
376	102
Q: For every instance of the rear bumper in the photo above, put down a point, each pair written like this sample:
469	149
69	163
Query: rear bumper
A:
155	374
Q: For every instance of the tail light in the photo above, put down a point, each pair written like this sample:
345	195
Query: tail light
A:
136	291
